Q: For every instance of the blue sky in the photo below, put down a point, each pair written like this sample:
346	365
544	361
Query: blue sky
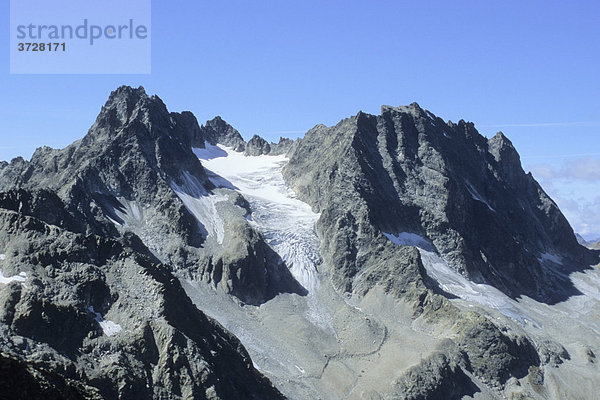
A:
277	68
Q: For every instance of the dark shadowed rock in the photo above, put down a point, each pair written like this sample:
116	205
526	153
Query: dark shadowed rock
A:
95	239
406	170
437	377
218	131
102	320
257	146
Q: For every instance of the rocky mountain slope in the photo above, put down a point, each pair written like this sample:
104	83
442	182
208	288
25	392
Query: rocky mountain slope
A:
408	171
90	228
390	256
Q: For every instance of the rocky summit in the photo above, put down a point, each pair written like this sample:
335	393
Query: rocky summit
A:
391	256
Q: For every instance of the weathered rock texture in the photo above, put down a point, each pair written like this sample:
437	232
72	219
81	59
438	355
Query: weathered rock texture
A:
408	171
92	236
53	341
97	228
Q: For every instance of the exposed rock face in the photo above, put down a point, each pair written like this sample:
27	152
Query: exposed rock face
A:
95	238
90	226
408	171
218	131
135	172
438	377
26	380
99	318
257	146
282	147
493	355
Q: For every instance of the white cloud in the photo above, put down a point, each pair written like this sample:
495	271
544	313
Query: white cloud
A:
585	169
584	215
543	171
575	187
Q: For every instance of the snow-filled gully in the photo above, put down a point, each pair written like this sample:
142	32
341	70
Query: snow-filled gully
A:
456	284
526	311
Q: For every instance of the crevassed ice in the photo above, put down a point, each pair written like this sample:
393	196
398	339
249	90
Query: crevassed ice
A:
286	222
202	205
108	327
454	283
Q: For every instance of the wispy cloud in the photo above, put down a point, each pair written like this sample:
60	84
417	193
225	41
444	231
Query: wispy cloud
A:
540	124
584	169
574	186
584	215
563	155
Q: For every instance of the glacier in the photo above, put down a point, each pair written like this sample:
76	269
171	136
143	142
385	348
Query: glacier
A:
286	223
202	205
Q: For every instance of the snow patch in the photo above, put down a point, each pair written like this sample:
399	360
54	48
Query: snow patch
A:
475	195
202	205
22	277
286	222
209	152
2	257
454	283
409	239
544	257
130	213
108	327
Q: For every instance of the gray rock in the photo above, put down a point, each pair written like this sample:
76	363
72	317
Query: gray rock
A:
492	355
165	348
100	228
257	146
552	353
120	179
437	377
282	147
408	171
218	131
90	225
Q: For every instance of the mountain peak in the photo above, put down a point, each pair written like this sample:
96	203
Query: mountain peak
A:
502	149
126	91
217	130
500	137
125	103
413	109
